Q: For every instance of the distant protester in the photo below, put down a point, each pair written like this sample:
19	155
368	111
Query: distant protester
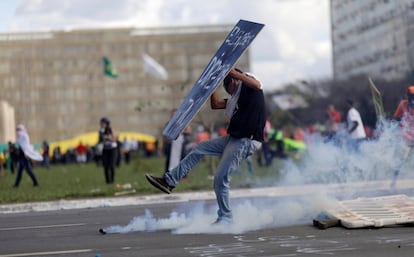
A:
107	140
26	153
355	127
405	115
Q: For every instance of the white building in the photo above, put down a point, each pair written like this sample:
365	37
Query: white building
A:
56	85
372	37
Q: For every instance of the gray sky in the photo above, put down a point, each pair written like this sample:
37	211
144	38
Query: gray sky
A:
294	45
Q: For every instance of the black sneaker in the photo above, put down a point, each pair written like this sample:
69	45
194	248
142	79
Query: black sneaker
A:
159	183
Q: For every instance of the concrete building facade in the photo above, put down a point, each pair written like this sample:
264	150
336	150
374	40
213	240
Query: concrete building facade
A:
56	85
372	37
7	122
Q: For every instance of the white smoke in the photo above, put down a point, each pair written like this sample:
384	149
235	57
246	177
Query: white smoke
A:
248	215
334	162
324	163
148	223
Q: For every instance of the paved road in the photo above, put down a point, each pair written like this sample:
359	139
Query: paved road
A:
75	233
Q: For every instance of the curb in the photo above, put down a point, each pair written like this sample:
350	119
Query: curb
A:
345	190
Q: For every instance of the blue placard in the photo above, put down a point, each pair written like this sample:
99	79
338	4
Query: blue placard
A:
226	56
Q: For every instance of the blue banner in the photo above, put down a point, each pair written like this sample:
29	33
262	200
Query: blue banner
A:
226	56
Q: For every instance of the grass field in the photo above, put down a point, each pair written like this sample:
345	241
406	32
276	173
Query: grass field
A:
74	181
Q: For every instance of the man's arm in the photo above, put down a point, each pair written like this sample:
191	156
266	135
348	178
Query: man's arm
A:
250	81
354	126
399	112
216	101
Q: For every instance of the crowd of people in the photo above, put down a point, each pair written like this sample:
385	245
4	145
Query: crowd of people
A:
108	152
277	143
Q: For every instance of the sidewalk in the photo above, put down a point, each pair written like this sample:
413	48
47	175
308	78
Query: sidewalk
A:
348	189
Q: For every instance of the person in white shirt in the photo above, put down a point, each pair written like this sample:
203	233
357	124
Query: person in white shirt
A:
355	126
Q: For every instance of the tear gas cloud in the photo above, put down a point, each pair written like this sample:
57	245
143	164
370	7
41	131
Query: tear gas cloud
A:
324	163
333	162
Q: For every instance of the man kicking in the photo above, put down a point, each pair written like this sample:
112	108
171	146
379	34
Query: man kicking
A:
245	111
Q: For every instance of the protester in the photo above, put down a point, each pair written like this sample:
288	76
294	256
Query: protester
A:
265	152
333	121
276	145
25	154
108	140
81	151
202	135
355	127
405	115
150	148
13	156
118	152
57	155
126	150
45	154
246	112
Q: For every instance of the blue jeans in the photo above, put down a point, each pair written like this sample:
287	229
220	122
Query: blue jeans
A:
232	151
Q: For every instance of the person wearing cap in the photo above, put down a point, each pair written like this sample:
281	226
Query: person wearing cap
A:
405	115
24	155
245	110
108	141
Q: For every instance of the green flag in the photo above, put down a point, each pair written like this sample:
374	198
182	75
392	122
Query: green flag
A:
108	68
377	100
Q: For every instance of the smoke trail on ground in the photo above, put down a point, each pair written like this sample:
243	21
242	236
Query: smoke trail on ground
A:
248	215
323	163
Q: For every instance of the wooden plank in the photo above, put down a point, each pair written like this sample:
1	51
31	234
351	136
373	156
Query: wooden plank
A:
383	211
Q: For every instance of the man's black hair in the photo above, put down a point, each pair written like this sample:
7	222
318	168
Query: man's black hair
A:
105	120
350	102
228	78
227	81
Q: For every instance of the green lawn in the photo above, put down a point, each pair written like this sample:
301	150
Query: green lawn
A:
74	181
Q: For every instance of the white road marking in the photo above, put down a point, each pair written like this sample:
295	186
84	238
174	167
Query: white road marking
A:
47	253
46	226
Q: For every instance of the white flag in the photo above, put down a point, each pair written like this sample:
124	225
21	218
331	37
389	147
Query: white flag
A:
153	68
